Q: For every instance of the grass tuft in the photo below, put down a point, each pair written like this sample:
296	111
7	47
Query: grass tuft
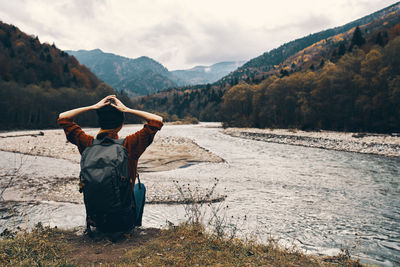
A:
43	246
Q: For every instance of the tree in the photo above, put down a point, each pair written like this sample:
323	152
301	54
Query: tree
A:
237	104
380	40
341	49
357	39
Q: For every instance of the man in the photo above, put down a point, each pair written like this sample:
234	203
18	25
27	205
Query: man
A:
110	111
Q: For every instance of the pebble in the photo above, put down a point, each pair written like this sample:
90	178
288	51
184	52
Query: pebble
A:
385	145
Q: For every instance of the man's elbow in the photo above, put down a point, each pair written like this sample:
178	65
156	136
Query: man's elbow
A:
63	116
156	118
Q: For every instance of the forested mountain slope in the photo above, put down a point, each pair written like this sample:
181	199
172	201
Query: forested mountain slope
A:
38	81
25	60
361	89
258	68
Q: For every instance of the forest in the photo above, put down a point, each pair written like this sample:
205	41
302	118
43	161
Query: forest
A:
25	60
37	106
257	69
347	82
360	92
38	81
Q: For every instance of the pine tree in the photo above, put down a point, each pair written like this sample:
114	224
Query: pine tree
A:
357	39
341	50
380	40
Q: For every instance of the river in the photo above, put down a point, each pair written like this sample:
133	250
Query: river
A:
317	200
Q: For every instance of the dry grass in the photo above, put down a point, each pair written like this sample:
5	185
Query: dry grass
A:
184	245
188	245
43	246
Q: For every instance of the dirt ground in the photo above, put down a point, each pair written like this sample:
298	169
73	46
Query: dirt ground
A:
86	251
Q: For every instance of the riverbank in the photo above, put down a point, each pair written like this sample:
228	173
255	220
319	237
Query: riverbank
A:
165	153
183	245
47	166
377	144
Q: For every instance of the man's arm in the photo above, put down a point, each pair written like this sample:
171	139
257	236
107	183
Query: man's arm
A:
75	112
137	143
73	132
138	113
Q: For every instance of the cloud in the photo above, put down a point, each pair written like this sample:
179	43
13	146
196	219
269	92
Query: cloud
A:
179	33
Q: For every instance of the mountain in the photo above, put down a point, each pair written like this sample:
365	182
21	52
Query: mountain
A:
354	66
206	74
139	76
354	91
143	75
258	68
38	81
331	49
23	59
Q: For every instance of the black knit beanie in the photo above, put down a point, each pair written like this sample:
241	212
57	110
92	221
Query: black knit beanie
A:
109	117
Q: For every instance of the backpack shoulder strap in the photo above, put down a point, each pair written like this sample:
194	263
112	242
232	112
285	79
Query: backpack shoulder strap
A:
108	140
96	142
119	141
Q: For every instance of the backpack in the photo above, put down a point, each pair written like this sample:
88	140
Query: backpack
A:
107	188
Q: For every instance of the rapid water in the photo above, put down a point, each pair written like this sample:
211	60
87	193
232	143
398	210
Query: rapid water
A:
318	200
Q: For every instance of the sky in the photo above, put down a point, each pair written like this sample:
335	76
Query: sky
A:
181	34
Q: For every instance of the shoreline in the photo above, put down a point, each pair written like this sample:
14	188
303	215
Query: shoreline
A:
381	145
164	154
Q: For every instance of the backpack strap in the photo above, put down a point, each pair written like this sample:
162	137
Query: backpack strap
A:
119	141
140	185
108	140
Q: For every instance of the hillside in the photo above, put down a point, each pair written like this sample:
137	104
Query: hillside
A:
138	76
206	74
287	103
354	91
25	60
377	32
258	68
38	81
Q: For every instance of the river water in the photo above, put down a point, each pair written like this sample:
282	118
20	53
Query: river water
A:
314	199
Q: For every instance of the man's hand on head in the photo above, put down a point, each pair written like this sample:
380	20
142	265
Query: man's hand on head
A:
104	102
116	103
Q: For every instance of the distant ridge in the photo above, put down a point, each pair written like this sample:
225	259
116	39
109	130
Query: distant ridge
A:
143	75
206	74
139	76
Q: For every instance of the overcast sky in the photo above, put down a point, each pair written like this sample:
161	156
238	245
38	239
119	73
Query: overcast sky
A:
181	33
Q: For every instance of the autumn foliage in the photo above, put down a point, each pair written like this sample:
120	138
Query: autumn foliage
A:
25	60
328	80
360	92
38	81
